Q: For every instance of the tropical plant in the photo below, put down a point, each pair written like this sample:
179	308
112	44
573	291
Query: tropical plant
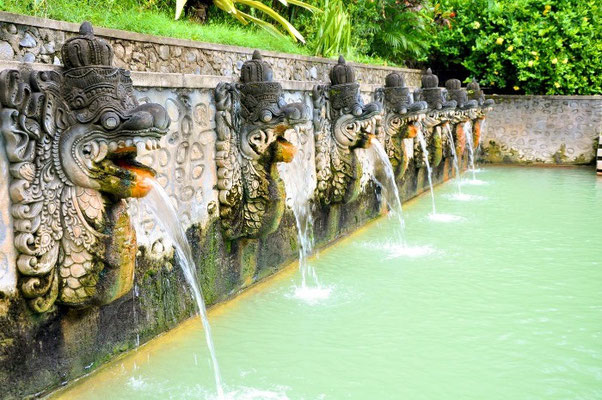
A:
230	7
399	31
334	30
528	46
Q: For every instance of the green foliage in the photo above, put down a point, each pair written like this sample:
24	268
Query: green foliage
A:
399	31
153	17
529	46
231	7
334	32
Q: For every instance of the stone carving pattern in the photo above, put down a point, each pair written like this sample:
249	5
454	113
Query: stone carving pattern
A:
184	164
251	119
342	123
69	139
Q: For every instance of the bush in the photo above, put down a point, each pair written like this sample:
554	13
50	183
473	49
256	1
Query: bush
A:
530	46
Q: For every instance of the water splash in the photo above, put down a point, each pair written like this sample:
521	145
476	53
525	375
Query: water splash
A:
160	205
465	197
391	192
445	217
397	250
474	182
452	145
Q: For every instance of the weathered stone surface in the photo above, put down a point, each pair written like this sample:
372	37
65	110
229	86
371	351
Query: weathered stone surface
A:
6	51
28	40
542	129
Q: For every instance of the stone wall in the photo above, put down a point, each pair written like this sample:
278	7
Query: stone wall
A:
542	129
30	39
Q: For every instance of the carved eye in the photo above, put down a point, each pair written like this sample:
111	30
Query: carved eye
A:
266	116
350	128
396	122
109	120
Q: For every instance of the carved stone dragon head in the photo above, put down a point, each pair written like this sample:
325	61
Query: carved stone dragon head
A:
484	105
71	138
402	119
342	123
436	122
251	119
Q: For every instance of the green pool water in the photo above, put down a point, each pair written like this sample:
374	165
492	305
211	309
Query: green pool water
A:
505	303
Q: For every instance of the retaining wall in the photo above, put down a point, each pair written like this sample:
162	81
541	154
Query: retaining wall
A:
542	129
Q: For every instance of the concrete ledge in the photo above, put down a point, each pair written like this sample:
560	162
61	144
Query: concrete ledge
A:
170	80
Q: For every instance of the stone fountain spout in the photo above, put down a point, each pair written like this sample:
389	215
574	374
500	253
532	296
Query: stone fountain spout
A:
440	111
483	106
72	138
402	120
251	119
342	124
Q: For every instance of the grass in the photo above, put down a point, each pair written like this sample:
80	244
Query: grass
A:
138	16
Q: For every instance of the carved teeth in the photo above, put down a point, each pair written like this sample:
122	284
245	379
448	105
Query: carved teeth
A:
129	142
121	144
103	149
149	145
112	146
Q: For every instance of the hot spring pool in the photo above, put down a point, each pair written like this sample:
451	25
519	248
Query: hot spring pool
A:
502	302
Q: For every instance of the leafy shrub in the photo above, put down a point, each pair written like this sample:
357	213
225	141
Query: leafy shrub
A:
529	46
399	31
233	8
334	30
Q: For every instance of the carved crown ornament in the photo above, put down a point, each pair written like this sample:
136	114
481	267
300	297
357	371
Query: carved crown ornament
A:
71	141
342	123
251	119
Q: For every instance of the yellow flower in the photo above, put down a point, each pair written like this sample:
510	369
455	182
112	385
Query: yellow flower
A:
515	88
585	19
533	53
495	73
554	60
566	60
530	63
499	40
557	84
510	48
476	24
547	9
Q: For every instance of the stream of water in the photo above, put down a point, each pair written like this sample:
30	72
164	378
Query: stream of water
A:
452	145
160	205
390	187
471	150
299	188
425	155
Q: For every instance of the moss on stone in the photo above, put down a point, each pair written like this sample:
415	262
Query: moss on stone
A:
560	156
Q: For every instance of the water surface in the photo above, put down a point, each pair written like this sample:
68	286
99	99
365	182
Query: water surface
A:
505	304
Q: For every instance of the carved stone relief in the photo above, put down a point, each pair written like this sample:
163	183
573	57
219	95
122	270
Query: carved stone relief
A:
342	123
251	120
71	140
184	164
